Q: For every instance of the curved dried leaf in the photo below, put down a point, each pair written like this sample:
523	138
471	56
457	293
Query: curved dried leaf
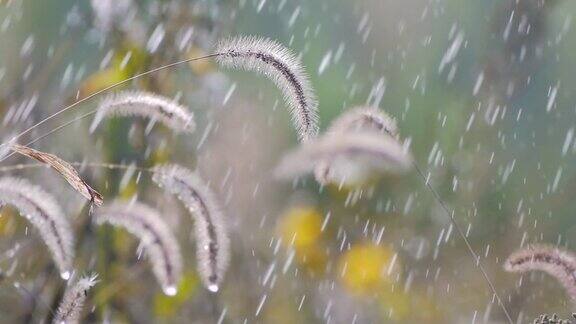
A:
64	168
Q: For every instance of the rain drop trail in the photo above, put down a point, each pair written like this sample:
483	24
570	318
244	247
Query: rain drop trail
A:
262	301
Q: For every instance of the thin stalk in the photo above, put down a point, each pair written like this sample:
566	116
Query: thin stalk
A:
460	232
94	94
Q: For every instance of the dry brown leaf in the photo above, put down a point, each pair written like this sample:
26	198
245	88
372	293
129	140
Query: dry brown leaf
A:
66	170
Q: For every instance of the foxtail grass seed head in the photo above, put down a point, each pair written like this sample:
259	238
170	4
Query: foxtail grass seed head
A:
276	62
159	242
145	104
556	262
357	119
364	119
43	211
213	244
70	308
347	154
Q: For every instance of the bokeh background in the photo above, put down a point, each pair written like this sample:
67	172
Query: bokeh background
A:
482	91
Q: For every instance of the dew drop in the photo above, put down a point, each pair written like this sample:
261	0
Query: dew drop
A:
213	287
65	275
170	291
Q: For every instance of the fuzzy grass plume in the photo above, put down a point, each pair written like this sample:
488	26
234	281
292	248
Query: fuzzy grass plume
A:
554	261
364	119
282	67
357	119
70	308
159	242
64	168
213	244
145	104
364	150
46	215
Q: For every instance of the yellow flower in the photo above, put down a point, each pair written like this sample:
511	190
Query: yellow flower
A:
301	227
101	80
366	267
160	155
129	190
7	221
301	230
125	63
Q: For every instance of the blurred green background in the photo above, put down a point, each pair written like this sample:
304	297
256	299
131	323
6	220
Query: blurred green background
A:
482	91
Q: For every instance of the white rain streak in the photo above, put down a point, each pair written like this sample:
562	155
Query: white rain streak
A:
229	94
213	244
294	16
70	308
508	28
363	22
339	52
260	5
20	112
557	179
568	141
27	46
552	98
373	150
452	51
377	93
478	83
156	39
284	69
144	104
46	215
155	236
325	62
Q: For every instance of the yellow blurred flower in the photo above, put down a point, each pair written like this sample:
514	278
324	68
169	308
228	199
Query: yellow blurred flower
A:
7	221
160	155
301	227
125	63
301	230
366	267
101	80
129	190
